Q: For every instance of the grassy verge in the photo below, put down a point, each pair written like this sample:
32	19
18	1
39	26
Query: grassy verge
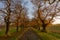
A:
55	34
12	34
46	36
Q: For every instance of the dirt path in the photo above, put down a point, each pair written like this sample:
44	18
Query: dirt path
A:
30	35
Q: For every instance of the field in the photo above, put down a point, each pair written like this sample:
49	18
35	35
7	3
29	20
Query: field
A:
53	33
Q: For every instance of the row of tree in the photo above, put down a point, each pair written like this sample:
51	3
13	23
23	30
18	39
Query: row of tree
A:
16	14
44	15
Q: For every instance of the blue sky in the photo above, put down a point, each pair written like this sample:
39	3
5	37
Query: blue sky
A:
30	7
1	5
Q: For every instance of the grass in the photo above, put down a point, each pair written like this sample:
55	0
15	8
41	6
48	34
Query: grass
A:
43	35
12	34
54	31
55	34
2	32
54	28
11	30
46	36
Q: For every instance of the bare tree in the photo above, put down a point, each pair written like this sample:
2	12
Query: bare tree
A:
7	17
24	18
18	9
47	14
7	12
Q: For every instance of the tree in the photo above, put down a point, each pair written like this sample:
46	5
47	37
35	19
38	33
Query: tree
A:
34	23
45	15
18	11
21	16
24	18
7	11
7	18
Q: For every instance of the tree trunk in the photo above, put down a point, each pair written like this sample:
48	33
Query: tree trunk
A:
38	27
17	29
7	27
44	28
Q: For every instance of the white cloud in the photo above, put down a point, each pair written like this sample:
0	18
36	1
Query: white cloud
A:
57	21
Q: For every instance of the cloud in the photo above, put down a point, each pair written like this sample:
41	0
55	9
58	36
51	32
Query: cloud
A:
29	6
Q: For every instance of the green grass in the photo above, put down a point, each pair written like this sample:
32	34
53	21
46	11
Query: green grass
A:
43	35
54	34
12	34
11	30
2	32
46	36
54	31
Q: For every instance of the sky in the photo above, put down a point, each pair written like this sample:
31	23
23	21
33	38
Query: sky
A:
30	7
1	18
57	21
1	5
